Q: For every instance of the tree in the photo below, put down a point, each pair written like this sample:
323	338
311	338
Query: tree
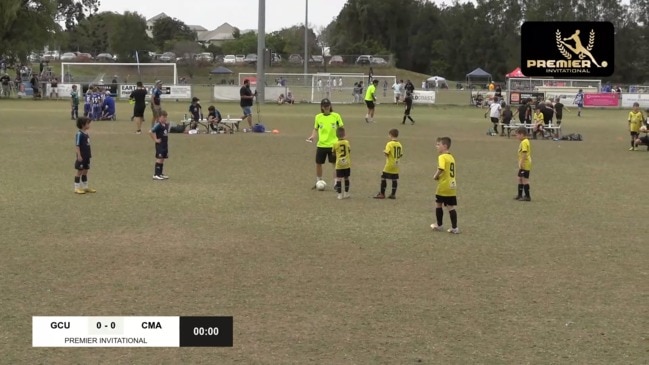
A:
71	12
170	30
187	50
129	35
26	25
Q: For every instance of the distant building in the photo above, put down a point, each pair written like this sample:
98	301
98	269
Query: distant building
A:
217	36
198	29
150	22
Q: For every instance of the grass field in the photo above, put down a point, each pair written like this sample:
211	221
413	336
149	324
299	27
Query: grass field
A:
238	231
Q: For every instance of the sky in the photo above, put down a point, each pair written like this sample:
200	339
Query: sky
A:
239	13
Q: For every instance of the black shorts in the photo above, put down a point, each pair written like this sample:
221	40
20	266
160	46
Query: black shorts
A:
324	153
343	172
559	116
507	121
407	111
494	120
635	134
524	173
370	104
82	165
389	176
448	201
138	111
161	151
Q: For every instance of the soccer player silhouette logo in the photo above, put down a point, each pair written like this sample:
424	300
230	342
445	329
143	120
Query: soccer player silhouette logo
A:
579	50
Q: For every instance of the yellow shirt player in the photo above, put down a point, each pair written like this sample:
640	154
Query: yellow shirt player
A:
343	163
393	153
325	127
524	165
446	193
636	118
370	99
537	119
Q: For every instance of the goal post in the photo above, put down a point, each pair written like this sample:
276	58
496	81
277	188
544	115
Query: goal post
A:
100	73
342	88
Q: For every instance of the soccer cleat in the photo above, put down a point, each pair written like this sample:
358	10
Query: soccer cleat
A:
437	228
453	230
79	191
340	196
518	198
138	132
526	199
164	177
392	196
89	190
346	195
158	177
632	149
367	120
379	196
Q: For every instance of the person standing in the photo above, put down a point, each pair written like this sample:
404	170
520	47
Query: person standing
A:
393	152
370	100
325	126
82	163
74	95
524	165
156	105
138	97
54	85
446	193
160	135
343	164
406	113
579	100
247	96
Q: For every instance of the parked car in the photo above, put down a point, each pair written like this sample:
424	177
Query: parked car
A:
379	61
50	56
230	58
84	57
105	57
167	57
68	57
317	59
205	57
34	57
240	58
250	59
336	60
295	58
364	60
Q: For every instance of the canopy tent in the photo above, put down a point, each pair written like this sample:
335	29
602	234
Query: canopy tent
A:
516	73
436	78
220	71
436	81
475	75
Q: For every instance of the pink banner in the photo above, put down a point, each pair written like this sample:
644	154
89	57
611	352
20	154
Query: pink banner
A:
602	100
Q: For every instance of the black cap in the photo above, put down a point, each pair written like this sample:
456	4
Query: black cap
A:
325	101
195	99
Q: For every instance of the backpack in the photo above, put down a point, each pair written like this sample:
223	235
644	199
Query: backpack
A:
258	128
180	128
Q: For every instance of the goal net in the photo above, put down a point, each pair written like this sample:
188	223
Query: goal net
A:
124	73
340	88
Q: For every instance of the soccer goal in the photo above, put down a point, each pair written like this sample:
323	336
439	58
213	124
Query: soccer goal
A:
344	88
125	73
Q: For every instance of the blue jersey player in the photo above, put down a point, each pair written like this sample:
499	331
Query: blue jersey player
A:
87	102
82	163
96	104
108	107
160	135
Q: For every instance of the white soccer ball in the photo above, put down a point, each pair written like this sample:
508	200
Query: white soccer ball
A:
320	185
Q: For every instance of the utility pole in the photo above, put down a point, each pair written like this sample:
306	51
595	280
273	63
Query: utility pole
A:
261	54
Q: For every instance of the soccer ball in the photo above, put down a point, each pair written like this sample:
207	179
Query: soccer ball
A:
320	185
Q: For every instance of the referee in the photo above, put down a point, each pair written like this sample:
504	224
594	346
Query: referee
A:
139	105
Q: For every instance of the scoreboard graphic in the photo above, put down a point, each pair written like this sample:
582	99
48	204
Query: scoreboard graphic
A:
132	331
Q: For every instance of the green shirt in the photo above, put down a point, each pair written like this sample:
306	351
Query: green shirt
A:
326	126
75	98
369	95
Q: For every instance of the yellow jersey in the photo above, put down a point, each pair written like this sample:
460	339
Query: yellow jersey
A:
635	121
525	148
446	185
326	126
538	118
369	94
343	156
393	152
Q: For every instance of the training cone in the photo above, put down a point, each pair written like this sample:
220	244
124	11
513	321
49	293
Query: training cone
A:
275	131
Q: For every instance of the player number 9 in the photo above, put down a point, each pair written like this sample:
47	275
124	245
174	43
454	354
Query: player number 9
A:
209	331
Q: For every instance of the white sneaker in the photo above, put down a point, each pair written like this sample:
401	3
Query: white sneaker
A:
346	195
453	230
164	177
435	227
157	177
340	196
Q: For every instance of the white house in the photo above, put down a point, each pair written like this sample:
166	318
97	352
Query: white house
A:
150	22
217	36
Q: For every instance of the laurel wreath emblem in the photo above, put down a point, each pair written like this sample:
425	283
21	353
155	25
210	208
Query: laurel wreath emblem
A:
563	51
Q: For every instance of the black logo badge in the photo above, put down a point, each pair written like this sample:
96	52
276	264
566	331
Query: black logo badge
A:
567	49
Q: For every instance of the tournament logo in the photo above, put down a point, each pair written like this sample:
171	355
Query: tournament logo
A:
567	49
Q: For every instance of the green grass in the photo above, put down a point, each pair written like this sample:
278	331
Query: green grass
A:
310	279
